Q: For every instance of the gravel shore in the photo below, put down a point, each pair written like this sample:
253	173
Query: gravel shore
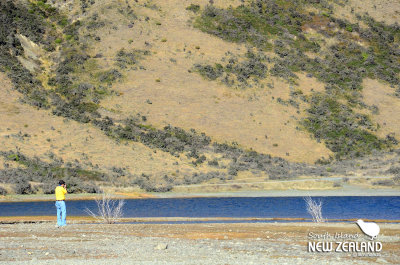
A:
239	243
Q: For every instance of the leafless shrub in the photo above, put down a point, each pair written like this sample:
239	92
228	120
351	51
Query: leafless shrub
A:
109	209
315	209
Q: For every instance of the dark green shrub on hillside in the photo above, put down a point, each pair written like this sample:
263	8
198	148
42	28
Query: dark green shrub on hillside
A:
213	163
48	174
194	8
150	185
23	188
48	187
208	71
171	139
15	18
384	182
109	76
252	66
346	133
3	191
255	23
124	58
197	178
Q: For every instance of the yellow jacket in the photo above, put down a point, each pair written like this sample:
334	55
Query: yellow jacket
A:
60	193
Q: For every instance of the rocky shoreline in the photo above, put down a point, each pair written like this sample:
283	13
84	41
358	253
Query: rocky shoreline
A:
211	243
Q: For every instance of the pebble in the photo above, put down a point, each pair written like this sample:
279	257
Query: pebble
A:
161	246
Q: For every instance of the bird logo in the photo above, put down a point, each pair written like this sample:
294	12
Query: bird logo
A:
369	228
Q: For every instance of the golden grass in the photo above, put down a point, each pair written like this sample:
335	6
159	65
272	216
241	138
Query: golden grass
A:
387	11
381	95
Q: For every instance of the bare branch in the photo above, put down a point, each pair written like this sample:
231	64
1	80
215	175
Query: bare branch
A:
315	209
108	210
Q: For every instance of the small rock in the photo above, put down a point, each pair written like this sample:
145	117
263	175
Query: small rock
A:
46	254
29	253
161	246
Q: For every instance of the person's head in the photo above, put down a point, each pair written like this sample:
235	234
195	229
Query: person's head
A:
61	183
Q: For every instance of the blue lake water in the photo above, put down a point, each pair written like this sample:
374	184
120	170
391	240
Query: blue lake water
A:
346	207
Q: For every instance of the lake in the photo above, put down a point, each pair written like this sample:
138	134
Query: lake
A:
335	207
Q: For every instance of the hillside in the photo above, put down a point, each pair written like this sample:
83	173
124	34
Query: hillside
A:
199	95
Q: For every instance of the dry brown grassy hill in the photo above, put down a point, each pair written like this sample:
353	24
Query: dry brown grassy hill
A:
163	86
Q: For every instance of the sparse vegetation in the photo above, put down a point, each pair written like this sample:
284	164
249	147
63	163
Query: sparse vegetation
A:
236	71
170	139
78	179
345	132
281	26
124	58
339	53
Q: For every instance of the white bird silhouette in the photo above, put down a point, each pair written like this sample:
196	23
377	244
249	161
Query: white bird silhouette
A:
370	229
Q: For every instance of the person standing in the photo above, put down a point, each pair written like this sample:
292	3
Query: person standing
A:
60	191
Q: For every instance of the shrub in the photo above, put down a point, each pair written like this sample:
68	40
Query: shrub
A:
194	8
199	160
109	76
3	191
124	58
23	188
384	182
149	185
395	170
337	184
213	162
48	188
197	178
346	133
209	71
252	66
170	139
